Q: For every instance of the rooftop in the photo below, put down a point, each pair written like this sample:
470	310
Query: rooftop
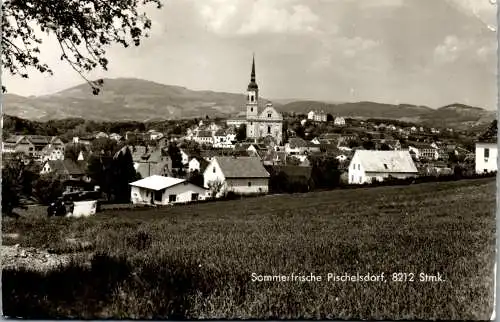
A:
386	161
242	167
157	182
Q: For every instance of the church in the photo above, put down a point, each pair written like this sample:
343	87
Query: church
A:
262	120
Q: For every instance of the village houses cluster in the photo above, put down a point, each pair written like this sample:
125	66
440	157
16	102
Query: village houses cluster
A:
228	163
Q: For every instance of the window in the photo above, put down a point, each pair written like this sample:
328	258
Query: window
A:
486	153
213	170
269	129
251	98
485	171
194	196
249	183
385	166
251	123
352	178
359	166
158	195
172	198
251	110
269	114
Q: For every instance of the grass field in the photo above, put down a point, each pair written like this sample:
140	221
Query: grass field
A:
196	261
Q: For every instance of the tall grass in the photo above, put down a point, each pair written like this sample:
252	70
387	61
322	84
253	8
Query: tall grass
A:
196	261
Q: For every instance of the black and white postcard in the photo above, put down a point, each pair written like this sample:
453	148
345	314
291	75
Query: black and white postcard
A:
249	159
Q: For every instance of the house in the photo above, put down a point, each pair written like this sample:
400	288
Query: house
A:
160	190
31	145
66	168
298	146
424	151
115	136
257	149
273	157
204	137
368	166
150	161
18	144
72	173
341	157
317	116
241	175
197	164
486	156
224	140
237	120
339	121
155	135
101	135
50	152
391	144
136	136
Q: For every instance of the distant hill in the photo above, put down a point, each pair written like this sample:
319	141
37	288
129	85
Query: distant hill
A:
125	99
453	115
140	100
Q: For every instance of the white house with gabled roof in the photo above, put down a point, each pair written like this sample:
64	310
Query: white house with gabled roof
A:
242	175
367	166
160	190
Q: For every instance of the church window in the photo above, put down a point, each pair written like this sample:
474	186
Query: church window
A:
269	115
251	98
268	129
251	110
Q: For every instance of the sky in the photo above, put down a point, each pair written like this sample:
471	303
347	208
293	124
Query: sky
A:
423	52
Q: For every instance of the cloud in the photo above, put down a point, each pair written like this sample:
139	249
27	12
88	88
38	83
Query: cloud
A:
449	50
246	17
217	14
357	48
266	16
453	48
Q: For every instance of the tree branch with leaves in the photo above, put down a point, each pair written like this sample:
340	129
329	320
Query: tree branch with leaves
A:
82	28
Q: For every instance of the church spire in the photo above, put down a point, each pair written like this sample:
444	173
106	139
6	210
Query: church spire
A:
253	84
252	77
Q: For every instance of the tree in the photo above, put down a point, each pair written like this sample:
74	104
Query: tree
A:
123	173
16	185
175	154
215	188
385	147
368	145
83	30
73	150
104	146
48	188
291	160
196	178
241	133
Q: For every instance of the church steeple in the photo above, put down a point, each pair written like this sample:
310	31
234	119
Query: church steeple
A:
253	85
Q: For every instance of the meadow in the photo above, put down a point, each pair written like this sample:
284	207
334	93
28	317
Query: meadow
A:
196	261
